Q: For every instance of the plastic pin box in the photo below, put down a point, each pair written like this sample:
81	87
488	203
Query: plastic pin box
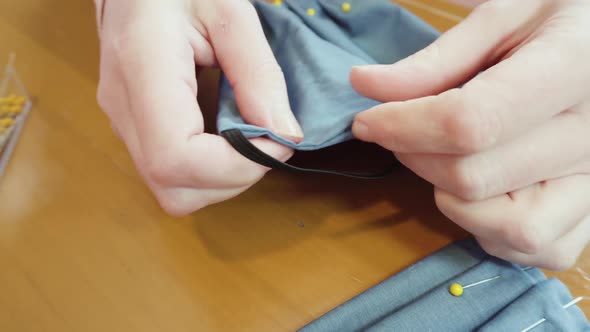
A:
15	105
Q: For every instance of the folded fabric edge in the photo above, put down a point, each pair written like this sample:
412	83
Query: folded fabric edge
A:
251	131
472	253
242	145
554	313
526	276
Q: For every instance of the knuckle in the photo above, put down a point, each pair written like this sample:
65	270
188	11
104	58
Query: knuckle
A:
492	249
449	208
524	235
468	181
559	261
439	200
172	208
163	169
471	127
174	204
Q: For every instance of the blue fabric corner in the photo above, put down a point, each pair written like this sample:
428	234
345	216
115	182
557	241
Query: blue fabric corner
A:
418	298
316	54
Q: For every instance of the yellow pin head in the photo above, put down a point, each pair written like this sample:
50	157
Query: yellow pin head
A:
311	12
456	290
15	109
6	122
20	100
346	7
278	2
11	99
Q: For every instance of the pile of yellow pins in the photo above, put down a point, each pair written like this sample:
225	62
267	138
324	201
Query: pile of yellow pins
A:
10	108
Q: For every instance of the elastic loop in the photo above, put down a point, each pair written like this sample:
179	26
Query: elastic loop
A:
239	142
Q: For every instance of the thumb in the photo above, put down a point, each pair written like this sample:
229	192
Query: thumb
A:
251	69
486	35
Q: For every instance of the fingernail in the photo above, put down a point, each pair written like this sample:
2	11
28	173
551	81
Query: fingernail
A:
360	130
368	68
361	69
285	125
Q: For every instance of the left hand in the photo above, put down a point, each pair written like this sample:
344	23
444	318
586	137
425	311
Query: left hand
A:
509	151
150	52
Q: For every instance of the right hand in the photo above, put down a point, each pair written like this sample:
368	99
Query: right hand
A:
148	89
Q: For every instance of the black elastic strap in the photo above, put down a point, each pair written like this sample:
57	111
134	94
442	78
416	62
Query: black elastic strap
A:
239	142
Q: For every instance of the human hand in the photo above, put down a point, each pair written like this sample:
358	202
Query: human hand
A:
509	151
148	89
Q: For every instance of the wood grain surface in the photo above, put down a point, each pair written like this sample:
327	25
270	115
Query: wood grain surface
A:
85	247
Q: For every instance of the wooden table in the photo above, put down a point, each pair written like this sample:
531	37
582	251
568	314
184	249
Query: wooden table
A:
85	247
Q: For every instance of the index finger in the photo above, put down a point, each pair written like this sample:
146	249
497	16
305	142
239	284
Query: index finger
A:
540	79
156	59
248	62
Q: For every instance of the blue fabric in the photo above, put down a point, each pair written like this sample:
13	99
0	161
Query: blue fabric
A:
418	298
316	54
546	300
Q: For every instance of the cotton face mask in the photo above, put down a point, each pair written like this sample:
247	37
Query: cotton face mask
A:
316	43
